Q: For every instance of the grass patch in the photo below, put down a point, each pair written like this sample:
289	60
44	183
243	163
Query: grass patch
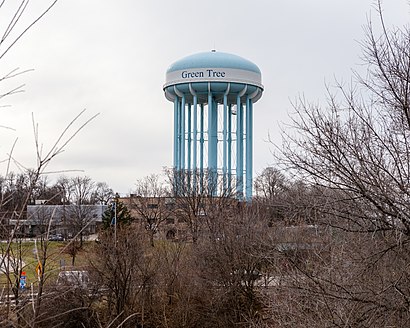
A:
57	259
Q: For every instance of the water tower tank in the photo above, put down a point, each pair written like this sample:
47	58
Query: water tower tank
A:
213	95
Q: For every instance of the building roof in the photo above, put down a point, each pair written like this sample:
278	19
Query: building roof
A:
57	213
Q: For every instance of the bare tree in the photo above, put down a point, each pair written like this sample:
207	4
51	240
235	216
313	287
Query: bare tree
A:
79	214
14	30
151	204
102	194
196	196
356	149
82	190
124	270
231	261
270	183
28	183
31	184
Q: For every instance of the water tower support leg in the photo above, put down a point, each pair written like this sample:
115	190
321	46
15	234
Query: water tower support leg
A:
224	143
183	134
201	150
249	148
229	150
189	138
176	133
239	149
195	142
212	144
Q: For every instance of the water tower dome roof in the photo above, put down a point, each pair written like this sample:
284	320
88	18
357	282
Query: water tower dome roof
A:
214	59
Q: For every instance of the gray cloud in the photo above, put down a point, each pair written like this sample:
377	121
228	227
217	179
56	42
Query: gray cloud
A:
111	57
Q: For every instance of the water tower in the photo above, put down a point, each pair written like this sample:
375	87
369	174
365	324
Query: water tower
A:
213	95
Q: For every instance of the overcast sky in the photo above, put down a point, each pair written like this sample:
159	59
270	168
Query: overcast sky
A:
110	57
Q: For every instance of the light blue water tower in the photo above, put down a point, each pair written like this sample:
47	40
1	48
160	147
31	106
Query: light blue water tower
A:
213	95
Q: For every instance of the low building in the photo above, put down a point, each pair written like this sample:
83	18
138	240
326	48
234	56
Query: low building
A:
176	218
67	220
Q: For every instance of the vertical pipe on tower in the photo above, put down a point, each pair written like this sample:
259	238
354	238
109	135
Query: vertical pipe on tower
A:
239	144
179	135
224	142
249	148
225	137
189	138
201	149
212	142
183	133
176	144
195	142
215	147
210	120
229	150
176	119
239	152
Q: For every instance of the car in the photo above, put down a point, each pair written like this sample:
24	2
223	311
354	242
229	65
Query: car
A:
57	237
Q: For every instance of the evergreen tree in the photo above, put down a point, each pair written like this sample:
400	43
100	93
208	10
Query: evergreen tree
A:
116	213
